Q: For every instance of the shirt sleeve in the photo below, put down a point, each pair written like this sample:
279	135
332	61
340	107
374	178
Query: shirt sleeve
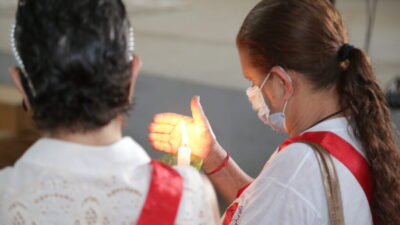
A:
283	206
282	193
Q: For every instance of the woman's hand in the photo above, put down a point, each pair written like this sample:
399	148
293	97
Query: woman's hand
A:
166	135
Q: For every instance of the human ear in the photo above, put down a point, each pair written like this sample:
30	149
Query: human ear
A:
285	81
135	68
16	77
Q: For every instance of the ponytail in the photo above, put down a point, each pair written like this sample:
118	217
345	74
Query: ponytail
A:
371	122
306	38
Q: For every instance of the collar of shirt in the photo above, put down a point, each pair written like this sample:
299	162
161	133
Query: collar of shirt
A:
73	157
335	124
341	127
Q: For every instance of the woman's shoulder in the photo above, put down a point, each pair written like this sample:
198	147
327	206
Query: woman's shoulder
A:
295	168
288	187
5	176
286	164
190	175
199	203
195	184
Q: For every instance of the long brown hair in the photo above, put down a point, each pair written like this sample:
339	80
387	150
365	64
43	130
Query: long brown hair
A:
306	36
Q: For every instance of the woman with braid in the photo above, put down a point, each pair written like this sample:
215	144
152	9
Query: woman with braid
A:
310	83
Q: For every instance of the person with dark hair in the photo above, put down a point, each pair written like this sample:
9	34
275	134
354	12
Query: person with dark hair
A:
341	164
77	72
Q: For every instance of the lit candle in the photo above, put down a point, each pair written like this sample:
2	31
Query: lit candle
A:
184	151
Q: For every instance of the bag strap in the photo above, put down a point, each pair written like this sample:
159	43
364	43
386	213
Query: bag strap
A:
331	183
164	196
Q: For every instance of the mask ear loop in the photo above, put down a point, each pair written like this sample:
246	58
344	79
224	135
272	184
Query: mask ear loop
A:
290	81
284	108
287	101
265	80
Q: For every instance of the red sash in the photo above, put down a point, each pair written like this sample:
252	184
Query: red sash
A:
345	153
338	148
165	192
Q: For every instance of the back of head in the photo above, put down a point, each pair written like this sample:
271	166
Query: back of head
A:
77	57
303	35
307	36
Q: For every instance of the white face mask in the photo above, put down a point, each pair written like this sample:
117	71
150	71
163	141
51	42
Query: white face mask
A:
276	120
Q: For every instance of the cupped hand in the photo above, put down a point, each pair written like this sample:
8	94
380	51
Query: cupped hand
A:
166	134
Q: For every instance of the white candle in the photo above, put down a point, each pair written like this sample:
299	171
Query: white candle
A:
184	156
184	151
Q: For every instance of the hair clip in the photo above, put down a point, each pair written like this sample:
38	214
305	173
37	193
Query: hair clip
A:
19	60
131	44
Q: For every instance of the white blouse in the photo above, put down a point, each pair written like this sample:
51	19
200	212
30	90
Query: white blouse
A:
289	190
57	182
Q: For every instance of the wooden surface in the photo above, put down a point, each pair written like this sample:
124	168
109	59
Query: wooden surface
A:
9	95
13	119
17	131
13	147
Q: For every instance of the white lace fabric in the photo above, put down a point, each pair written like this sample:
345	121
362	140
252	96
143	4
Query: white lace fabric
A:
57	182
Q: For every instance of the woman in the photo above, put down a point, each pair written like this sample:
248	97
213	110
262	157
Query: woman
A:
311	84
77	73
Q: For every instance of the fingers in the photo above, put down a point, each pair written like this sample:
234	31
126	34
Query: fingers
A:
159	137
197	111
161	128
199	115
173	139
164	142
164	135
169	118
163	146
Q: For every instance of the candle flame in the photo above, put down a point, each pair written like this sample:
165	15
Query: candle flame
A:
185	138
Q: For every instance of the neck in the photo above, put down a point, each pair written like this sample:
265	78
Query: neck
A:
103	136
317	107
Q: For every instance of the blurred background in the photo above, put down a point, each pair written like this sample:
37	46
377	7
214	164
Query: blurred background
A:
188	48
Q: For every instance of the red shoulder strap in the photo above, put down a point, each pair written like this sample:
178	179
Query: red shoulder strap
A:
165	192
338	148
345	153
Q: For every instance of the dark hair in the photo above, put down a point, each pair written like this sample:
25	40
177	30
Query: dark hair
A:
75	53
306	35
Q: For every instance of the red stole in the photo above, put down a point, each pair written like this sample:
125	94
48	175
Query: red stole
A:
164	196
345	153
338	148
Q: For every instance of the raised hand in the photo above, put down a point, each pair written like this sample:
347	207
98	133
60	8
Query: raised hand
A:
165	131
